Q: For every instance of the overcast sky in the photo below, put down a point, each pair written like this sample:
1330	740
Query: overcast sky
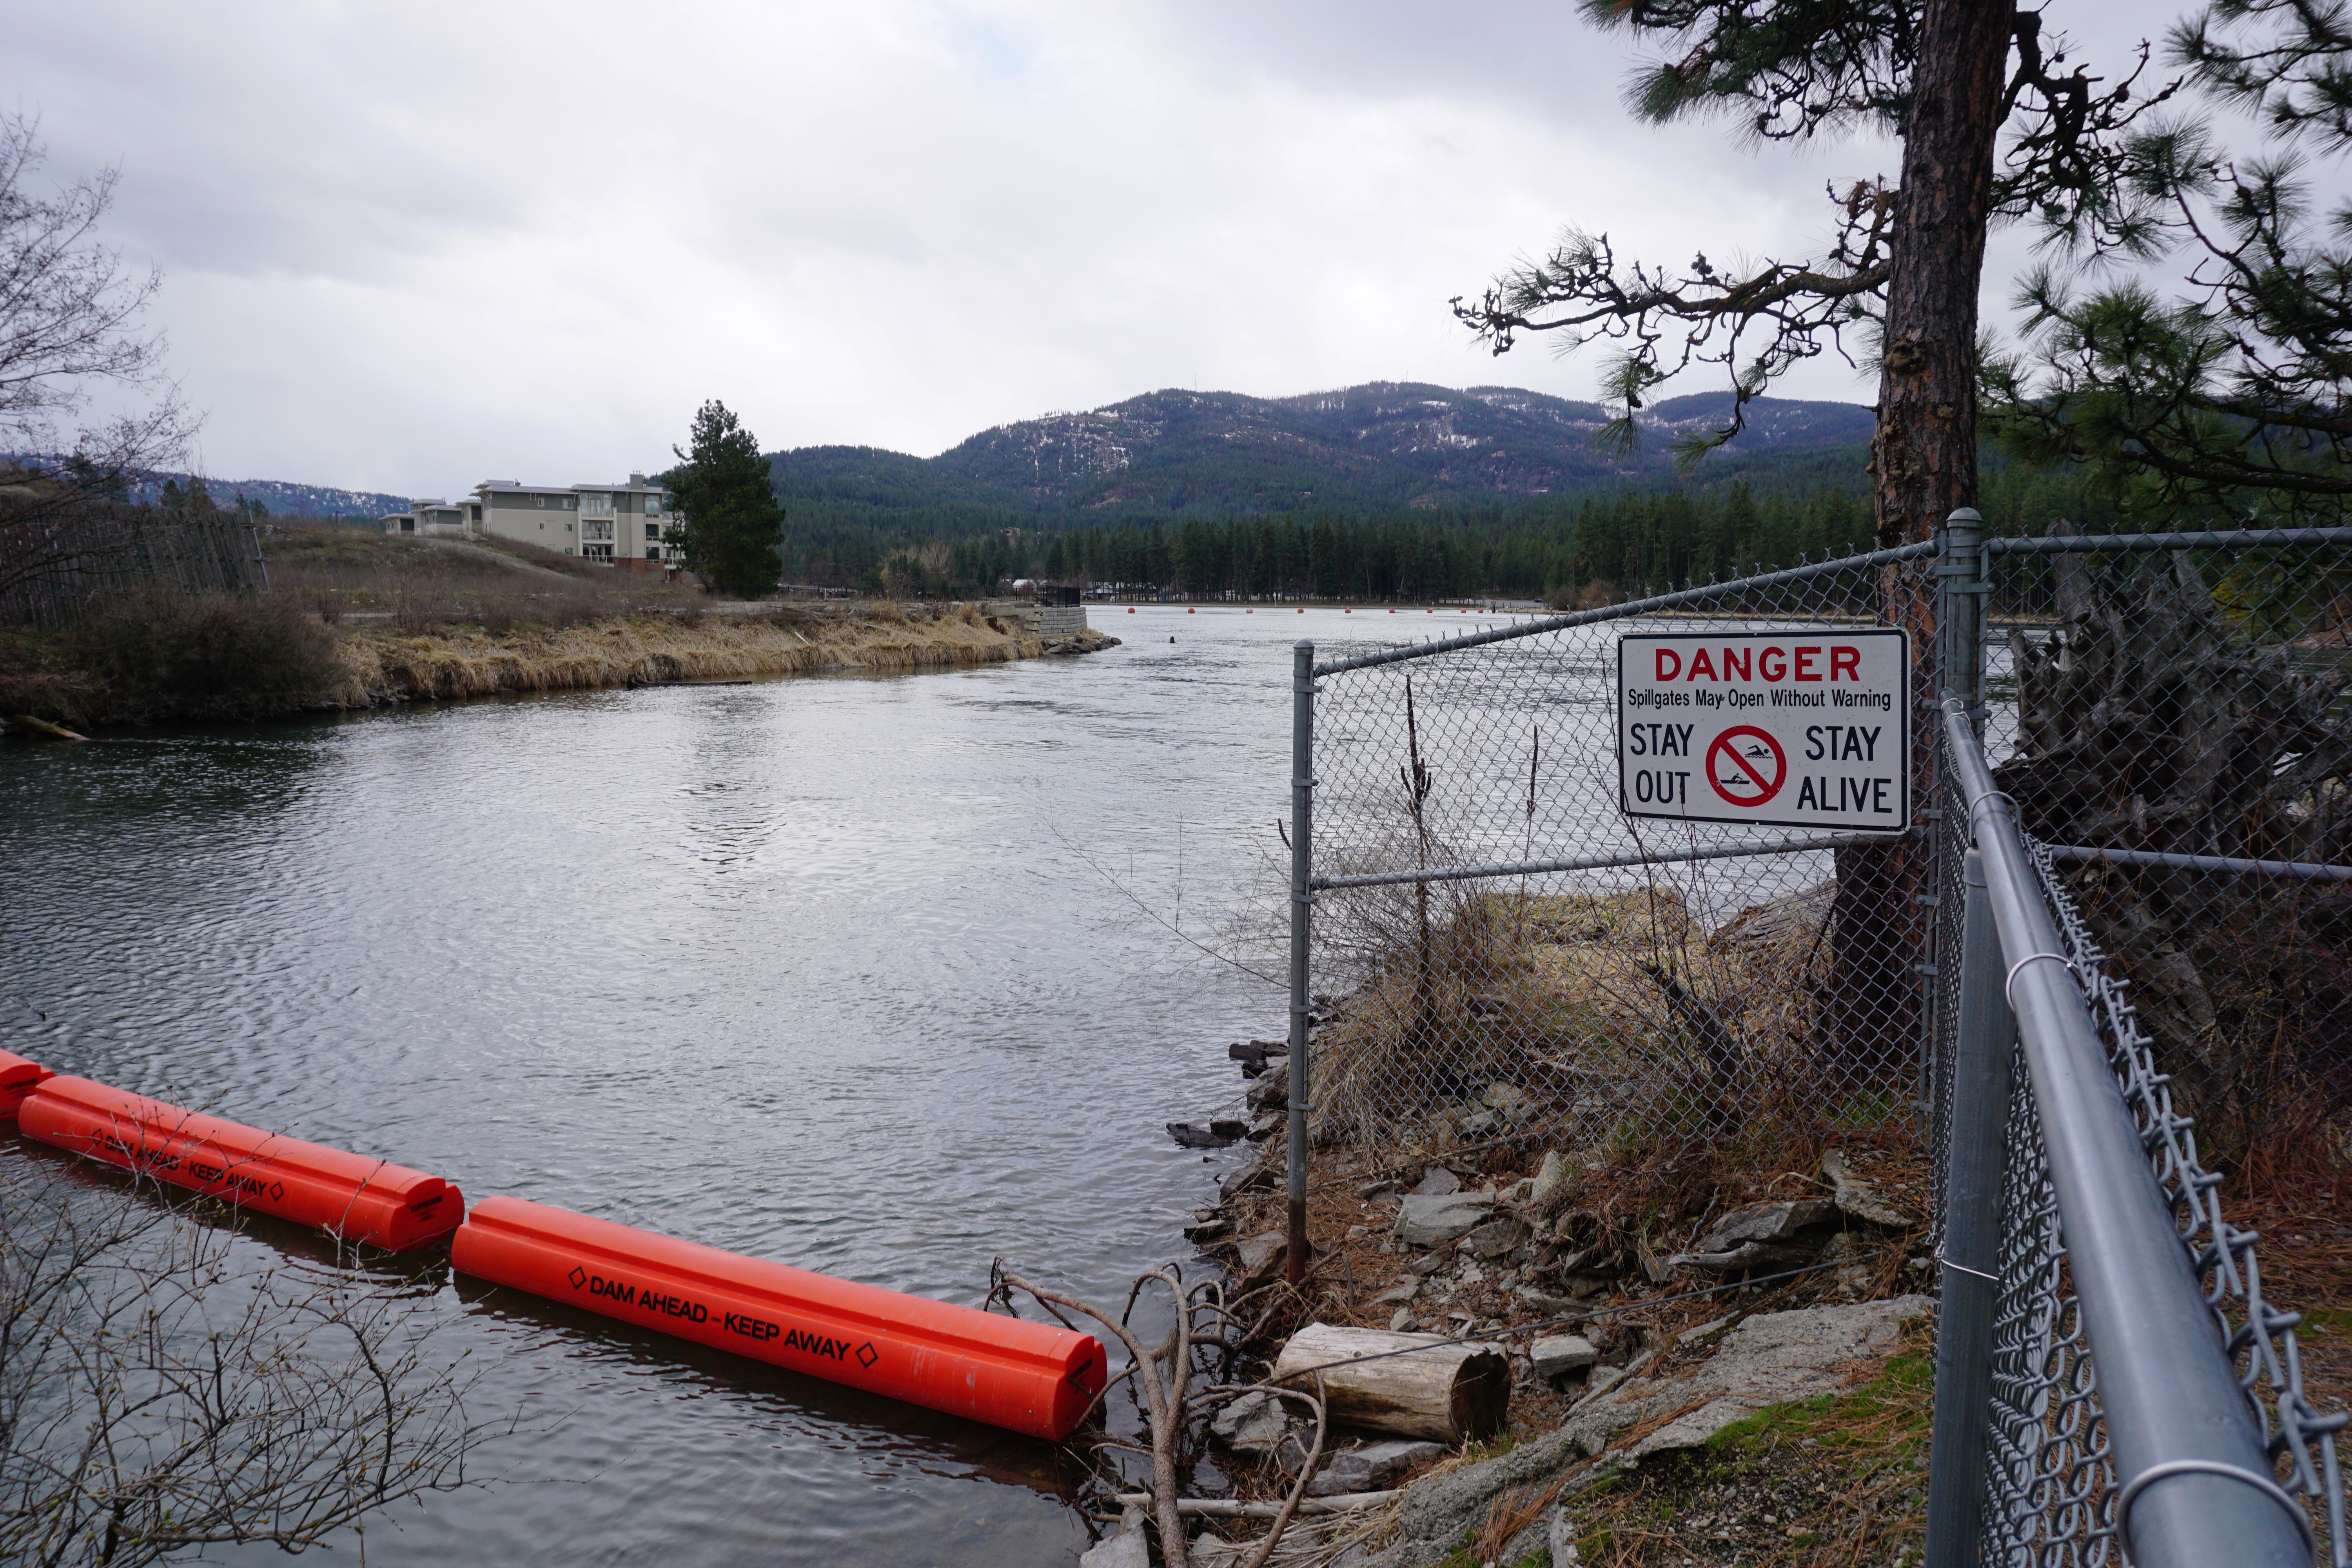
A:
409	248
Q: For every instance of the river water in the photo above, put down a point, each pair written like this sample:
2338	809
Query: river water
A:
871	974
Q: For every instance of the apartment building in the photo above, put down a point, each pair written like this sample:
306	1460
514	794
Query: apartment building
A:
615	525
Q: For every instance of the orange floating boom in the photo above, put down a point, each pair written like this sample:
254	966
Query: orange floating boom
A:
358	1199
18	1078
1008	1372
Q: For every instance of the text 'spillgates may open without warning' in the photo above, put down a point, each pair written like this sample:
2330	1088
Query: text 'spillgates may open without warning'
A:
1799	726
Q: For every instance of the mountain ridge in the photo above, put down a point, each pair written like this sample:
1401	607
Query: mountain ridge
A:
1381	445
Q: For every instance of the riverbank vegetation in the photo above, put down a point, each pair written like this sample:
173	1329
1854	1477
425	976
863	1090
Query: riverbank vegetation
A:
355	618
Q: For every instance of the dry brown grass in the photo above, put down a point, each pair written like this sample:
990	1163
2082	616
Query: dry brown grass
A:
650	651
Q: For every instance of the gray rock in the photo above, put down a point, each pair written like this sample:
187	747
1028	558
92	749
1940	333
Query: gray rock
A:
1550	1179
1504	1095
1555	1355
1127	1549
1769	1359
1262	1257
1214	1228
1402	1320
1373	1468
1437	1180
1425	1221
1496	1237
1765	1222
1253	1424
1216	1135
1397	1294
1271	1092
1254	1178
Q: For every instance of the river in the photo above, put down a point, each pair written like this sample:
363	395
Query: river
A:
871	974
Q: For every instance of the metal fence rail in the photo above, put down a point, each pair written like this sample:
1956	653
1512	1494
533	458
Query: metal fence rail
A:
2112	1418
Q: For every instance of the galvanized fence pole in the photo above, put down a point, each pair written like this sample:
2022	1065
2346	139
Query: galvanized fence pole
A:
1977	1154
1960	607
1302	902
2194	1484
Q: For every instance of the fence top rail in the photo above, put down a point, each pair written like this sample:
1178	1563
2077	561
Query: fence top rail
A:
1698	595
2196	1483
2224	539
2307	871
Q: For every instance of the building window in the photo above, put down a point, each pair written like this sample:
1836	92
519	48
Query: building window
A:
595	506
596	527
653	552
652	504
601	553
653	531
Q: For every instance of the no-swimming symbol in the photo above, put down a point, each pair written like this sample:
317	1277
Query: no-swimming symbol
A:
1746	766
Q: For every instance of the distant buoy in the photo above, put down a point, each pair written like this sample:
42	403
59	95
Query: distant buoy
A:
1192	612
1302	609
18	1079
1171	639
1130	609
1036	1378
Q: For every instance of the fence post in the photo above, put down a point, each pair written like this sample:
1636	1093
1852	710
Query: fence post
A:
1302	902
1960	607
1976	1156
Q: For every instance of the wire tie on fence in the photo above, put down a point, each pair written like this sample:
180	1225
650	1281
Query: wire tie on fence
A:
2171	1467
1989	1279
2009	981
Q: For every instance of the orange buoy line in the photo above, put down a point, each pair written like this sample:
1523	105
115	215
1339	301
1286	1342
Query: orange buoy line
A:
347	1195
18	1078
1008	1372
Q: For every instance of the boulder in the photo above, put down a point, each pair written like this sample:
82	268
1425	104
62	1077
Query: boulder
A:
1374	1468
1216	1227
1766	1221
1271	1092
1425	1220
1437	1180
1555	1356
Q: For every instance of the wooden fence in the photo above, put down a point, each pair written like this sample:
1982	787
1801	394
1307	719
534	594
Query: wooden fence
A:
56	566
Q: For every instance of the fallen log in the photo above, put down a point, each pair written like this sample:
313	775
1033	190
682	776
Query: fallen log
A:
43	727
1416	1385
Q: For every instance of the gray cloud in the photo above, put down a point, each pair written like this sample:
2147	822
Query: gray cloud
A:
410	248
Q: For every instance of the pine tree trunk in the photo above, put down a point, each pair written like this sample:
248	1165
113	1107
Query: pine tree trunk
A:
1924	464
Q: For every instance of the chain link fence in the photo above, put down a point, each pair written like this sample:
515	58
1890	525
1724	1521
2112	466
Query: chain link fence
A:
1500	948
2143	782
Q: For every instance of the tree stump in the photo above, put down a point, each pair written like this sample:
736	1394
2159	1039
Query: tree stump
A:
1446	1393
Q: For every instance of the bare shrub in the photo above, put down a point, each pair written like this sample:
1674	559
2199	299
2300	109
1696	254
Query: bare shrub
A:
159	1393
208	656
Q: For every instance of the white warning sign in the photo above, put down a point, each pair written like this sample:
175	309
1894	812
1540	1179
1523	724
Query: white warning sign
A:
1802	727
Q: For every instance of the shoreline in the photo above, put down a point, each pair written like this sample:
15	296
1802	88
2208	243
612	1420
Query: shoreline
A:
51	681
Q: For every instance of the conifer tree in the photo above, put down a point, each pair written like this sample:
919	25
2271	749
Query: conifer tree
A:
730	524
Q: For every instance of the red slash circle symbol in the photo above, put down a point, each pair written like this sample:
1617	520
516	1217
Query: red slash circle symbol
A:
1746	766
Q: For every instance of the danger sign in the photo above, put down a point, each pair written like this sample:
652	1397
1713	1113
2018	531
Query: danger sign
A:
1798	727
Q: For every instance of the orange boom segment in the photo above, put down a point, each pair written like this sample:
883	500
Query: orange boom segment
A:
348	1195
1029	1377
18	1078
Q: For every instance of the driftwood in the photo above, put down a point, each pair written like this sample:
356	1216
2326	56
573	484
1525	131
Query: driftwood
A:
1441	1390
1227	1508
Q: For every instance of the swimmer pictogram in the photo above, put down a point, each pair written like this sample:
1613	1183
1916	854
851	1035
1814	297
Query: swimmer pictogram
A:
1746	766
